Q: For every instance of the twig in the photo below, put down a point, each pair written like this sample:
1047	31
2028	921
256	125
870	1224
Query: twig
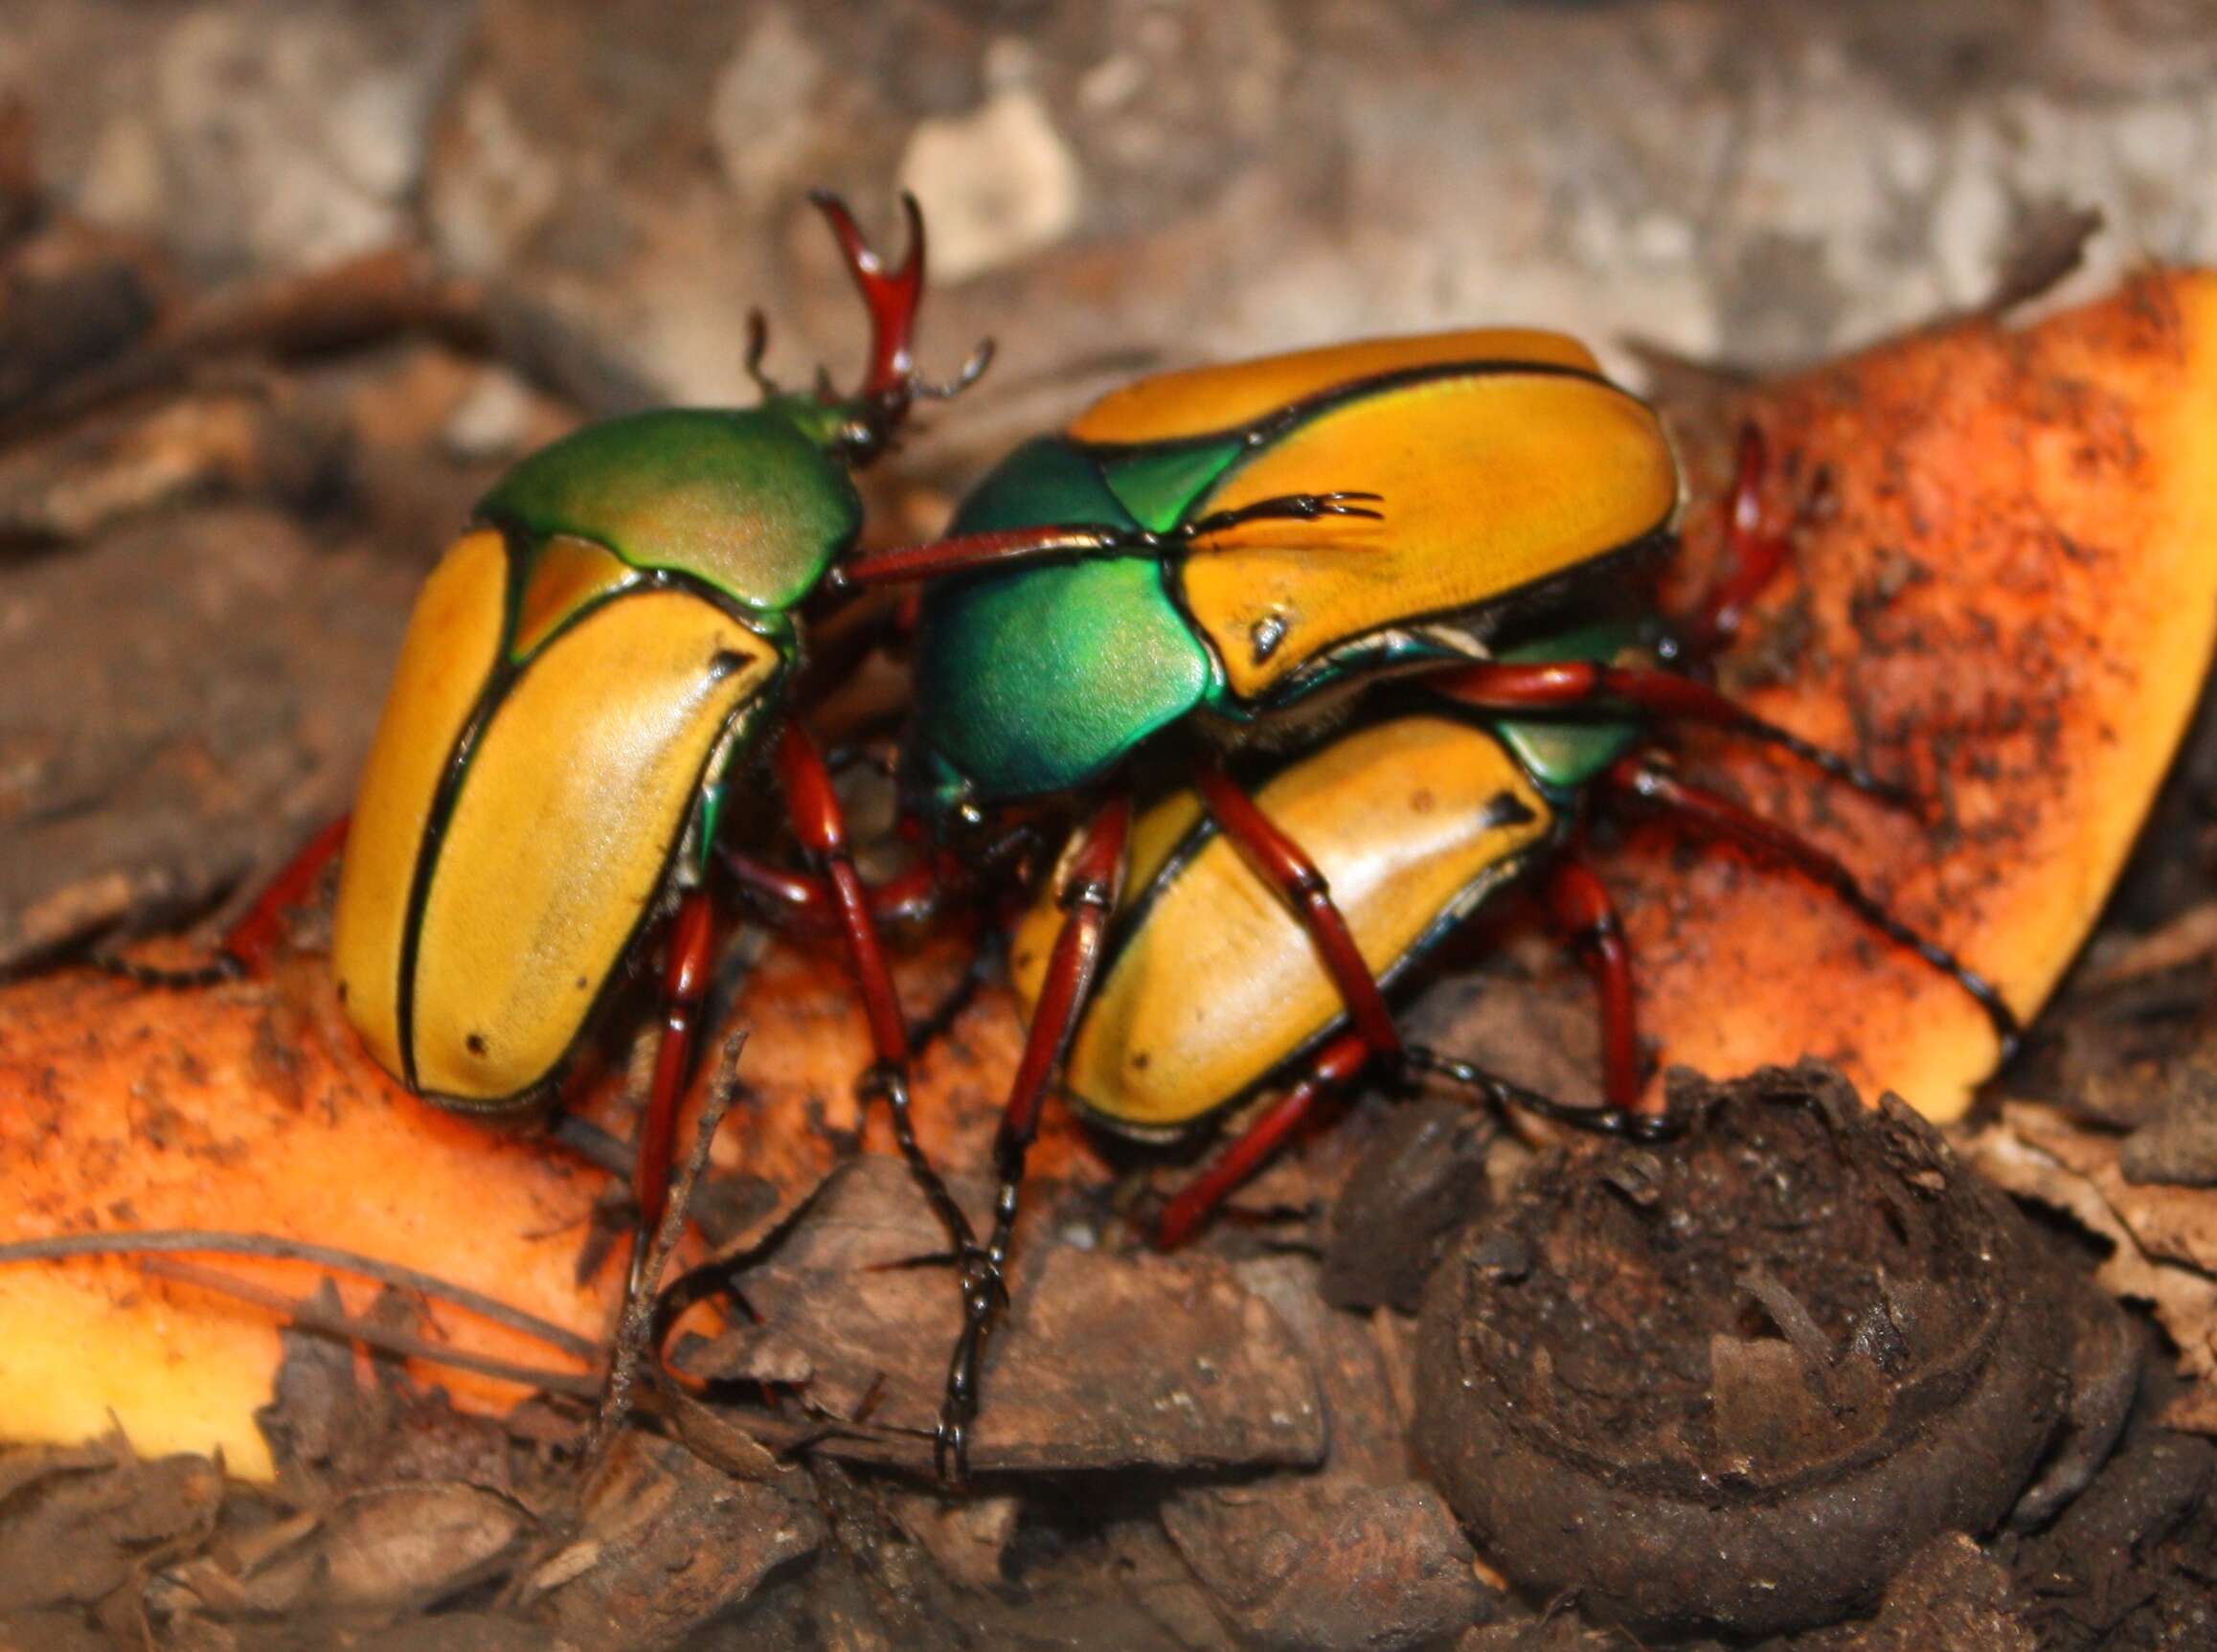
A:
375	295
636	1327
216	1241
634	1330
308	1313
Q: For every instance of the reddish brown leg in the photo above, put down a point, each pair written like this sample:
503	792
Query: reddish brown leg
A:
821	826
1754	552
1286	866
1088	898
1513	685
1193	1204
687	961
1340	1061
250	943
808	906
1642	781
811	906
1581	906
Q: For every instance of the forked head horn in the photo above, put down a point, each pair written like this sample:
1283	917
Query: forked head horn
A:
890	385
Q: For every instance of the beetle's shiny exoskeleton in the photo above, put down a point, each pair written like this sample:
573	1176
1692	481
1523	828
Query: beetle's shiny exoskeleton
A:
1417	818
1237	541
588	667
1232	545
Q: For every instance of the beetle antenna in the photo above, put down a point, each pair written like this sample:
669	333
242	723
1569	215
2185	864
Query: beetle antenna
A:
758	346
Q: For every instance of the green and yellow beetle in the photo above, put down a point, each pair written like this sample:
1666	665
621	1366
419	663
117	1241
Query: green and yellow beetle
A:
1419	816
1225	557
585	671
1231	541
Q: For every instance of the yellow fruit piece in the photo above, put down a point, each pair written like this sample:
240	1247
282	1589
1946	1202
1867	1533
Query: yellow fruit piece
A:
2012	607
121	1108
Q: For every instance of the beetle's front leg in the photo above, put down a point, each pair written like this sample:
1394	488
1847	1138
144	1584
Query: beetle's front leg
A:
821	826
1754	552
1090	892
1003	549
811	906
807	905
1645	783
1512	685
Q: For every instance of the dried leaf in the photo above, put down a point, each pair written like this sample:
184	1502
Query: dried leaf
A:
73	1538
410	1545
668	1542
2036	1154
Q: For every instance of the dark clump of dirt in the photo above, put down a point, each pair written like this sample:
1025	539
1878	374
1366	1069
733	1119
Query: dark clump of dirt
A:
1737	1380
1405	1197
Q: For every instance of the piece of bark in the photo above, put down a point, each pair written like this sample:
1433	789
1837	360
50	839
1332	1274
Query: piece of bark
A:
2179	1146
1104	1361
74	1535
72	299
462	1632
51	1631
205	687
390	1549
668	1543
1950	1597
1421	1177
1354	1556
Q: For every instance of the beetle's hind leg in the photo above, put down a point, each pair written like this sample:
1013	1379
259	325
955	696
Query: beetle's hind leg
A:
1597	686
1581	906
1579	903
688	961
1229	1168
249	945
1645	783
1292	874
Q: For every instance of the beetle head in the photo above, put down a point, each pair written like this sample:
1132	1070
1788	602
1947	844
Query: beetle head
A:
863	426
